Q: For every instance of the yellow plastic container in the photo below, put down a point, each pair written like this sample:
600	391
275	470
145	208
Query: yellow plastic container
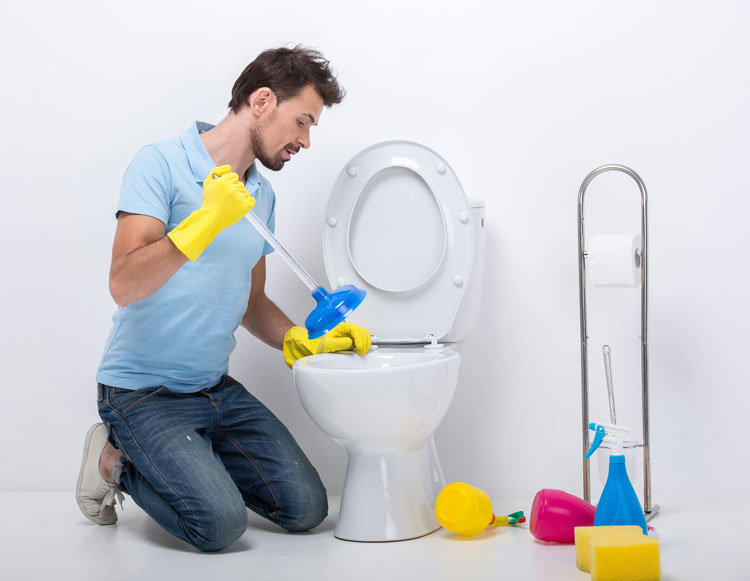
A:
463	509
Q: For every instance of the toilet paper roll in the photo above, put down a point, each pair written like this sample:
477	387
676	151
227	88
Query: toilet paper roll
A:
614	260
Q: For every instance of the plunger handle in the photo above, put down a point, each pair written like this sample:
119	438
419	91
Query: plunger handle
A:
278	247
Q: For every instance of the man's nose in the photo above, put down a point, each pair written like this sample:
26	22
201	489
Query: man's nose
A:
304	140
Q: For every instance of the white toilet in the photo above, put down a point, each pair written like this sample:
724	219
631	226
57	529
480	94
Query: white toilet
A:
398	225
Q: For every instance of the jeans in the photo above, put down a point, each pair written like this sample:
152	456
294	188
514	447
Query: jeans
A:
194	461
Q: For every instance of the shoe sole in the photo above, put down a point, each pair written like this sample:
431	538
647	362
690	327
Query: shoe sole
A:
86	446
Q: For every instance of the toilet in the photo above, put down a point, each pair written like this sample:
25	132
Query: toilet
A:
399	225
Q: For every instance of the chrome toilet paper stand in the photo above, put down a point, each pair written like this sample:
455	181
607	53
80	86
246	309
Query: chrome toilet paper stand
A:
649	510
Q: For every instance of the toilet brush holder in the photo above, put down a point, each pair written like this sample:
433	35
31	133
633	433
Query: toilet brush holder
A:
649	509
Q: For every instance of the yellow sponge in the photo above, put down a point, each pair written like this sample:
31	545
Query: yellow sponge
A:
625	558
586	535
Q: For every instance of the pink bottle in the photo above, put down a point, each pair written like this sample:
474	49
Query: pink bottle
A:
554	515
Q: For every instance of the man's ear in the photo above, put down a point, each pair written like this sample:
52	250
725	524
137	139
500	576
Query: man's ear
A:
262	101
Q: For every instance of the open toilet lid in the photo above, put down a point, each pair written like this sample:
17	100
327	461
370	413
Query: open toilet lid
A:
399	225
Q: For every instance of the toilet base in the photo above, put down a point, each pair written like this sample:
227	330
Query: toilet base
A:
384	498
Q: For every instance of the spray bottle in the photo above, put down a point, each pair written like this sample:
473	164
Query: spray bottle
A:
619	504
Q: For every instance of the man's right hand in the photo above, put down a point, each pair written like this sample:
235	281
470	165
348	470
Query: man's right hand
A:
225	202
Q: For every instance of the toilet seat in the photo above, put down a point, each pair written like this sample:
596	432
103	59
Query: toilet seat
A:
399	225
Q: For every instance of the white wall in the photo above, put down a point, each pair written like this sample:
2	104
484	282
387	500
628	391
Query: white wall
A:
523	99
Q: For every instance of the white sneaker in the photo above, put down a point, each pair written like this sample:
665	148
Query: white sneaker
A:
96	497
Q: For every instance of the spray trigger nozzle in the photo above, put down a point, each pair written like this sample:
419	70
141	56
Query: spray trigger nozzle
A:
600	433
615	436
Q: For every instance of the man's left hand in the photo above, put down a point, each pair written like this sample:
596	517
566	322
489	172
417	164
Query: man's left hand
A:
344	337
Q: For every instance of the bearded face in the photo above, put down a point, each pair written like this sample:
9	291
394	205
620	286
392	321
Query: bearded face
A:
271	157
282	131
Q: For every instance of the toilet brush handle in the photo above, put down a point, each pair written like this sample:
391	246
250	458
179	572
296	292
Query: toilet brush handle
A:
607	352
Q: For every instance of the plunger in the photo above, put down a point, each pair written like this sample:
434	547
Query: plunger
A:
332	307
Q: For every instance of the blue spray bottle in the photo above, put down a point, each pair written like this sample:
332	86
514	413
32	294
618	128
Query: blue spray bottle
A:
619	504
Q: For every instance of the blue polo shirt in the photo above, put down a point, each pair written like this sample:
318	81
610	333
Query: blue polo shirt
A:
183	334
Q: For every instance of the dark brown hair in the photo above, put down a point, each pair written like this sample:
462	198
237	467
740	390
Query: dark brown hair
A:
286	71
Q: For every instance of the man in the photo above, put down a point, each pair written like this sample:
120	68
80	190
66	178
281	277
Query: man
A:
190	445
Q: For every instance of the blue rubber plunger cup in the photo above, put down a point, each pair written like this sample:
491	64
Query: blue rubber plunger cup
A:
332	308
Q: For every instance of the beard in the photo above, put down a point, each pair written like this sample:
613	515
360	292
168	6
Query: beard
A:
275	162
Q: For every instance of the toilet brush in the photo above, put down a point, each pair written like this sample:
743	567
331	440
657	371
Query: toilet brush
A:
607	352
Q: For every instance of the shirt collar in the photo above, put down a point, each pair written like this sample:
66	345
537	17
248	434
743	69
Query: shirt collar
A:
200	161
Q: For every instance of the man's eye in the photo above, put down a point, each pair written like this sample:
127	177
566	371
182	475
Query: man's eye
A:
301	123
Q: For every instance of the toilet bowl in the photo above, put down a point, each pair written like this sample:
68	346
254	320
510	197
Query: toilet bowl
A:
399	225
382	408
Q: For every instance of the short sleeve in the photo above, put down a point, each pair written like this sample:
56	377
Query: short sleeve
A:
270	223
146	185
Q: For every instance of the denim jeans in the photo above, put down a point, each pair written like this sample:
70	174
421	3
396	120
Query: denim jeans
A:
194	461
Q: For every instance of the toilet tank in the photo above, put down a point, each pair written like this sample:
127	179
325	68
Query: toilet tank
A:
468	311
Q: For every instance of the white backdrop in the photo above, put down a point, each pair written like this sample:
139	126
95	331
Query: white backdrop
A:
523	99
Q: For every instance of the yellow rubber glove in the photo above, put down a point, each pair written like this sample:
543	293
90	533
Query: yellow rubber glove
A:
225	202
344	337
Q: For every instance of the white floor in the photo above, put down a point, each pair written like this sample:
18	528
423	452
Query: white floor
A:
43	536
